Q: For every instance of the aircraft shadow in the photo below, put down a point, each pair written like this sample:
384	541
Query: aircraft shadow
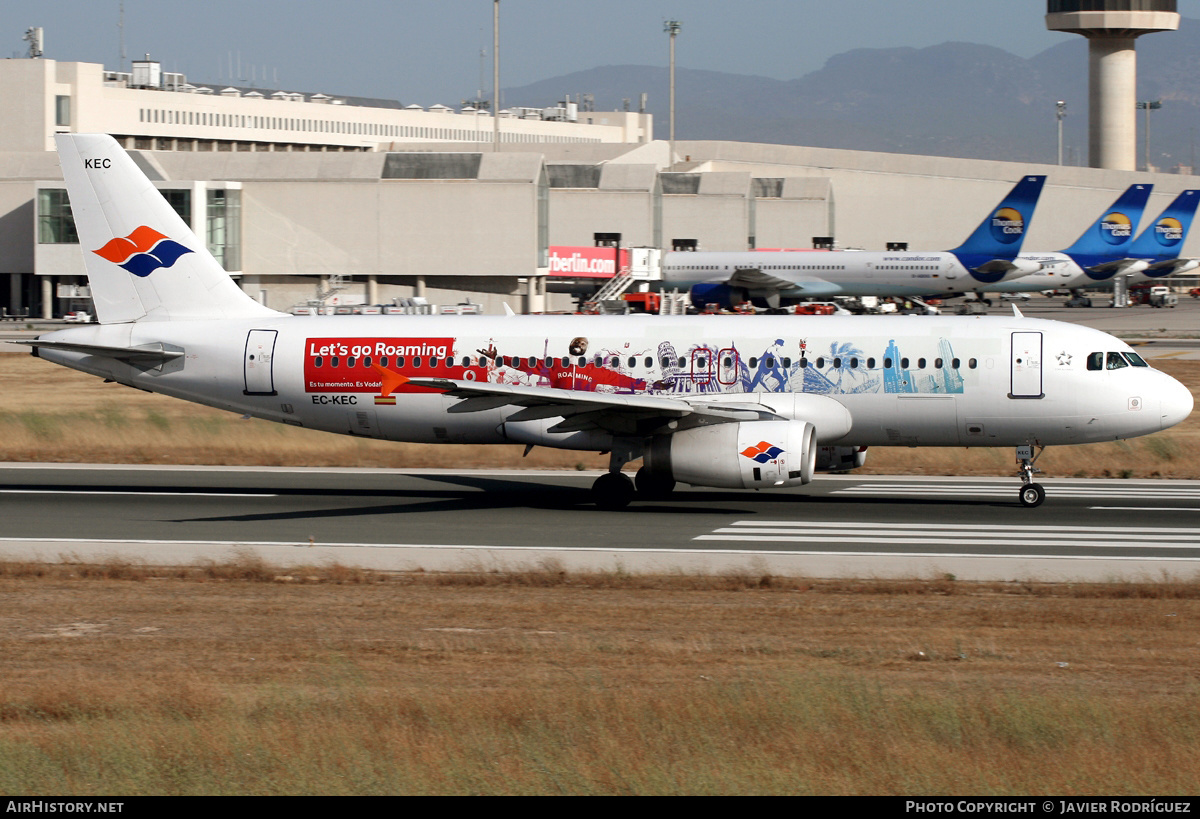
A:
486	494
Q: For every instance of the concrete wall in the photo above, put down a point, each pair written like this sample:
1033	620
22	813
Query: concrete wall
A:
934	203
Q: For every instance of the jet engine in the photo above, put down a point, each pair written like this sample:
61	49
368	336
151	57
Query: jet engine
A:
840	458
736	455
721	295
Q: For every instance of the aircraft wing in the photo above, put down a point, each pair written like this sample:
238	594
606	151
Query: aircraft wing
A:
1174	266
154	353
622	414
1120	267
754	279
1011	268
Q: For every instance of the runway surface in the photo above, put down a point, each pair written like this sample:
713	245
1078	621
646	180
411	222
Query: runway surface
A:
863	526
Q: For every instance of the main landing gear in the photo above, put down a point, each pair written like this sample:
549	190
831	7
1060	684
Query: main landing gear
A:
614	490
1032	494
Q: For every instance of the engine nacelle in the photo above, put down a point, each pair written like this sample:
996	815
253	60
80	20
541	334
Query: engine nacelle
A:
721	295
742	455
840	458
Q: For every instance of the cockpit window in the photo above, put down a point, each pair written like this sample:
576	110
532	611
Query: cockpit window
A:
1136	360
1116	362
1095	361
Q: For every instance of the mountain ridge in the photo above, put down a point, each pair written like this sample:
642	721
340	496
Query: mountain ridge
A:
952	99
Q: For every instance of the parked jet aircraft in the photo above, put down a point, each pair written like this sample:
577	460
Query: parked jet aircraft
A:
987	257
725	401
1107	249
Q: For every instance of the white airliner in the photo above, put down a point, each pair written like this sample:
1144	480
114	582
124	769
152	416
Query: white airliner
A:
987	257
720	401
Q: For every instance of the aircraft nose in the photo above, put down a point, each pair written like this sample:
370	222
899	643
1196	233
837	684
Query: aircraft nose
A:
1175	403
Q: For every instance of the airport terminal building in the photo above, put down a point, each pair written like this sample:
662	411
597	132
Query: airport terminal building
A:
308	196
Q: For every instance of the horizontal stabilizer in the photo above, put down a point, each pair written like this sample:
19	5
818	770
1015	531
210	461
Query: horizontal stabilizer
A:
154	352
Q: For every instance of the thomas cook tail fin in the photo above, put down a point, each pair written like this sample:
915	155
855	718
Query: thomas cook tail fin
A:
1000	235
143	262
1164	239
1111	235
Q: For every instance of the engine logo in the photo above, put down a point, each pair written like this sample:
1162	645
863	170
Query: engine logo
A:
763	452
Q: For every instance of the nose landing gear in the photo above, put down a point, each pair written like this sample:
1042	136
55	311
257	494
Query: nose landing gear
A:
1031	494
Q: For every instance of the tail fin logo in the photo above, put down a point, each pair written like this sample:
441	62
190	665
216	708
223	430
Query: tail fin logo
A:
763	452
143	251
1168	231
1116	228
1008	225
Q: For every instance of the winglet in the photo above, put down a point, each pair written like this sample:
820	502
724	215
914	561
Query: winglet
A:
391	381
1017	313
508	311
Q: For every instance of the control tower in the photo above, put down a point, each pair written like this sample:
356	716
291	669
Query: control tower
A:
1111	26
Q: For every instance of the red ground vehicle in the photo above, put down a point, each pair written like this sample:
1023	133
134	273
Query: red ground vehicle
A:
643	302
814	309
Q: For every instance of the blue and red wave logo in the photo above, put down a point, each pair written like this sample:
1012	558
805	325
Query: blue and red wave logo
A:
763	452
143	251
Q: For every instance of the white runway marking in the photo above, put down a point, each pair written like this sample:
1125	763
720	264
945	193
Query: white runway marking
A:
1119	490
841	533
129	492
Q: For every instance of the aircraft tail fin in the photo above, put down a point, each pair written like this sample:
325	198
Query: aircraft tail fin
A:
1165	237
999	236
143	261
1112	234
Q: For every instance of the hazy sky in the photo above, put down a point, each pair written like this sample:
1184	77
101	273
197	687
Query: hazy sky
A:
428	51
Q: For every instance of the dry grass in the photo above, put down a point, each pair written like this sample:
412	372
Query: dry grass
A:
239	677
50	413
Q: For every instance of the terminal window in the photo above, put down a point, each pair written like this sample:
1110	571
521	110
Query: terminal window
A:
55	223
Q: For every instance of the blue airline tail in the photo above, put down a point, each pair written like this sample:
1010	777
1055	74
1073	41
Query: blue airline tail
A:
1164	239
999	236
1111	236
